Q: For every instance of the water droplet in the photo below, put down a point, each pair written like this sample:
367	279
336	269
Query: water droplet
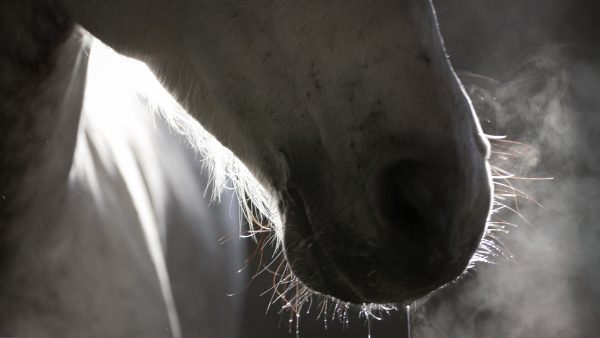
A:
297	325
408	320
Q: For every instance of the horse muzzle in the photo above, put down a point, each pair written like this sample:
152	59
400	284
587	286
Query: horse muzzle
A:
414	230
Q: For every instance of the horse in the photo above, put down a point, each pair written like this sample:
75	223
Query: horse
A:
349	115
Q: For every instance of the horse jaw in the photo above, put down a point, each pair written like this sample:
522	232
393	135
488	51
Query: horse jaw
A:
347	111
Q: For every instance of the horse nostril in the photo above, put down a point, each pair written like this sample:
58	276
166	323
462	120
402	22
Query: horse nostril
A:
400	210
406	201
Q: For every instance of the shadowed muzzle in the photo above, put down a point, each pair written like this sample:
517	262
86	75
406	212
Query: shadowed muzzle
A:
406	229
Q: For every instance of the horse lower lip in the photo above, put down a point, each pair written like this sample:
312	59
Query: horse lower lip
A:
317	270
336	282
366	278
376	289
327	259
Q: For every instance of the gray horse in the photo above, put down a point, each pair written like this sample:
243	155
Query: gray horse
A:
348	113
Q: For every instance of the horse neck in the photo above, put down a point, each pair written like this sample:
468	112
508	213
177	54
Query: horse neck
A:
42	74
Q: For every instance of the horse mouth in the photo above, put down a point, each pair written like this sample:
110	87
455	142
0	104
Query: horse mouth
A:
320	273
332	263
307	258
363	278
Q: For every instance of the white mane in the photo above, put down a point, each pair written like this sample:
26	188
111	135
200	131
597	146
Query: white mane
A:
226	170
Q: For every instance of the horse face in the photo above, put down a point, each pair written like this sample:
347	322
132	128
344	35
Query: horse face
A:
348	111
351	113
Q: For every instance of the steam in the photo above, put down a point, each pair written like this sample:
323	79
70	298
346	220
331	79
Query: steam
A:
544	95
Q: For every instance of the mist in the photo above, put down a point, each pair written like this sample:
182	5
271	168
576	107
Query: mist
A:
532	69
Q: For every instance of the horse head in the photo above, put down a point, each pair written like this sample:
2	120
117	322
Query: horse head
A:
348	112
